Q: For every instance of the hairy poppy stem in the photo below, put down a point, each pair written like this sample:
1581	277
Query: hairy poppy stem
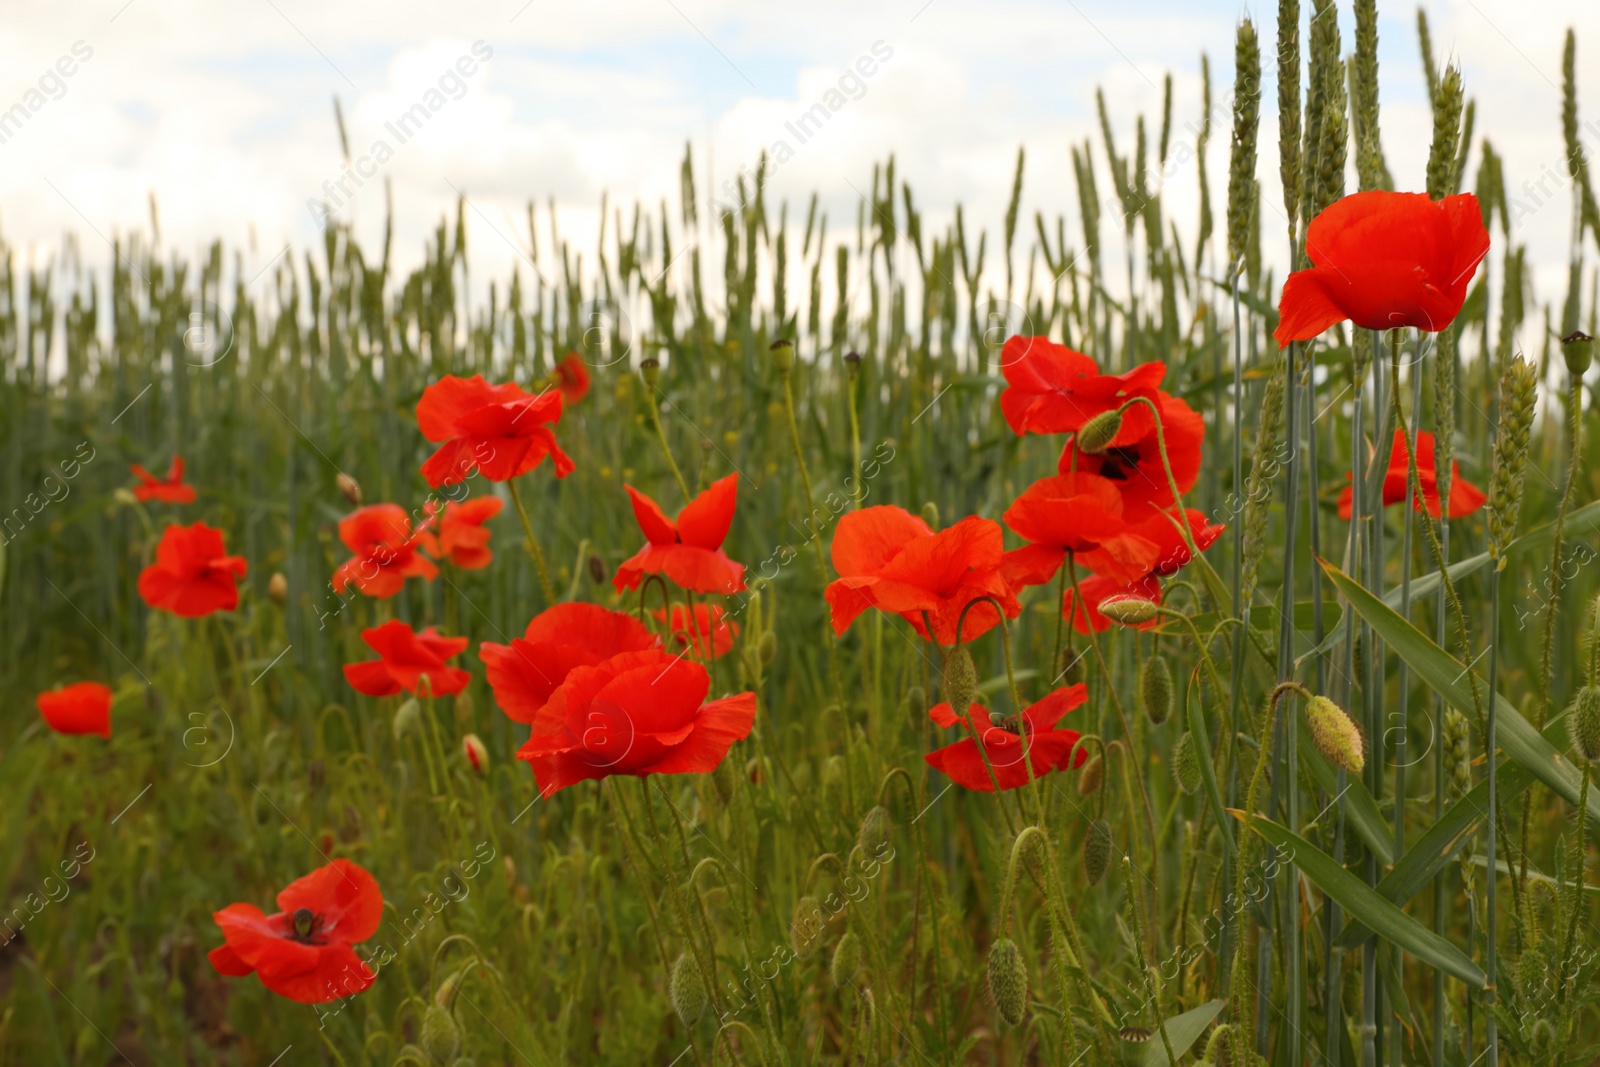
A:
534	550
666	449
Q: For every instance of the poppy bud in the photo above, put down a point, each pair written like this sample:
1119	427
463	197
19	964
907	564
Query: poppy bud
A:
1096	435
1155	689
597	570
511	872
768	648
1186	764
846	961
124	496
445	995
724	778
407	718
1336	734
915	702
1072	667
960	679
873	836
687	989
782	355
1128	610
833	769
1584	722
1578	349
1220	1049
278	588
1008	980
930	515
441	1037
852	365
476	754
1542	1038
349	488
1097	851
805	926
463	706
650	371
1091	775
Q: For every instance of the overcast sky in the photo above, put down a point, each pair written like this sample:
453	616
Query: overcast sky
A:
223	110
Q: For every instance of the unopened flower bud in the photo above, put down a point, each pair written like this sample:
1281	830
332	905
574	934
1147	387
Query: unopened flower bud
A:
846	961
650	371
1578	349
477	754
960	680
768	648
407	717
1072	667
278	588
1155	689
1186	764
1097	851
687	989
441	1037
1096	435
930	515
1091	775
463	707
597	570
349	488
1584	724
445	995
915	702
873	836
1008	980
1336	734
123	495
1128	610
782	355
805	926
724	778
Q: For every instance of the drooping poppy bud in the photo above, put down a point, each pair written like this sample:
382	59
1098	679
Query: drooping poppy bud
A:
846	961
1091	775
768	647
278	588
407	717
1186	764
1336	734
687	989
1072	667
930	515
1128	610
915	703
1098	433
1584	722
873	836
805	926
477	755
597	570
1008	980
1155	689
349	488
441	1037
960	679
724	779
1097	851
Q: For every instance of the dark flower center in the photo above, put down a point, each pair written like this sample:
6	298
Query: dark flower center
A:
305	924
1119	464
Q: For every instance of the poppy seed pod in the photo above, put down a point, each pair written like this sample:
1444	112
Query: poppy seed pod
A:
1008	980
650	371
852	365
687	989
1097	851
846	961
1128	610
1584	722
1336	734
960	679
875	829
1578	350
278	588
441	1037
407	718
349	488
1186	764
1096	435
477	755
1155	689
782	355
1091	775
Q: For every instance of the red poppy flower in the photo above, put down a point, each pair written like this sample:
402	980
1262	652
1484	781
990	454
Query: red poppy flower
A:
1382	260
1040	745
387	551
571	379
497	430
712	637
168	490
462	537
79	708
1172	554
1052	389
637	713
1080	513
1465	498
525	672
405	657
1134	462
192	575
304	951
888	559
688	551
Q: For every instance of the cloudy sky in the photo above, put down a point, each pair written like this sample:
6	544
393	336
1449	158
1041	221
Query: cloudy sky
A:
224	110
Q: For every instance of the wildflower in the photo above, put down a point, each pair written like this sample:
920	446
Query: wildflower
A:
462	537
1465	498
79	708
405	658
192	575
712	637
689	551
386	550
1043	747
497	430
888	559
571	379
1081	513
638	713
1382	260
1134	462
525	672
304	951
1051	388
168	490
477	754
1172	554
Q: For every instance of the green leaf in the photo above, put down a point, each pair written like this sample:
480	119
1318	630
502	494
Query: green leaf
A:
1182	1030
1442	673
1364	903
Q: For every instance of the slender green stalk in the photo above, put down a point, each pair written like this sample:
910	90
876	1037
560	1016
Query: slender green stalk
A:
534	551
